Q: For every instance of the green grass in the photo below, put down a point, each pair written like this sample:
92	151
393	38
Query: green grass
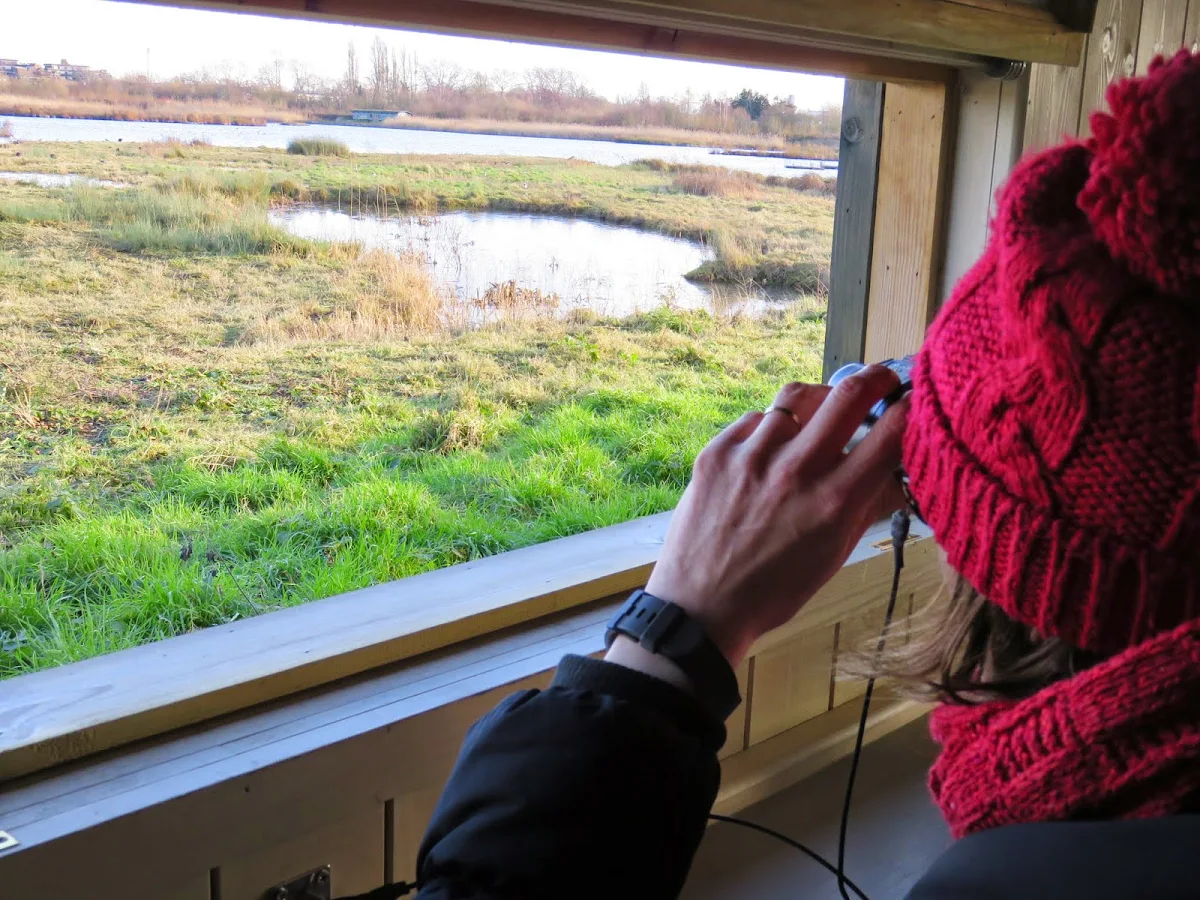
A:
317	147
198	429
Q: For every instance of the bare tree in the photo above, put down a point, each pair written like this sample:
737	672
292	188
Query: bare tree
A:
380	77
353	85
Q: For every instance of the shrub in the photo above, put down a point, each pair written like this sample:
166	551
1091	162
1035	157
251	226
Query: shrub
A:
317	147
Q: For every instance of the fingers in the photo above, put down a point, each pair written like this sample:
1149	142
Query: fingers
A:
867	479
824	439
776	428
737	432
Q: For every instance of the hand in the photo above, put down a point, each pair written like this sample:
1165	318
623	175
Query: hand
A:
774	508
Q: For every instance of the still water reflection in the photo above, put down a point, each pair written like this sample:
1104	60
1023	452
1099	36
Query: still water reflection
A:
613	270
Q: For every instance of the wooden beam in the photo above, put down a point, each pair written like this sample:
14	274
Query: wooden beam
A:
760	49
914	164
937	30
72	711
1191	27
1030	33
853	224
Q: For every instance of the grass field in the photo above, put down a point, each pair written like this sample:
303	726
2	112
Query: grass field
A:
202	418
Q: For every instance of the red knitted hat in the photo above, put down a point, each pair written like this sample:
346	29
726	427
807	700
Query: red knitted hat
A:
1053	443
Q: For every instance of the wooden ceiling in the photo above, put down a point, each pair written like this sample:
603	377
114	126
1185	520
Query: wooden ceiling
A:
895	40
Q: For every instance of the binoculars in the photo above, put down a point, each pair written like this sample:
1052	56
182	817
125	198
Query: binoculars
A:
902	367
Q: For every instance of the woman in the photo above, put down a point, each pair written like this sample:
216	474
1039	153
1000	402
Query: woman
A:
1053	445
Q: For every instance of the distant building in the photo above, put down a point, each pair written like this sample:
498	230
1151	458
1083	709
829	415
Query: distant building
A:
63	70
375	115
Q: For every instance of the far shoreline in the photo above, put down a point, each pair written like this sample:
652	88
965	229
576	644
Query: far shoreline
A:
817	148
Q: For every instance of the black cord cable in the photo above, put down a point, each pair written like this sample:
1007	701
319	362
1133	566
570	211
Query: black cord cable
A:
900	526
794	844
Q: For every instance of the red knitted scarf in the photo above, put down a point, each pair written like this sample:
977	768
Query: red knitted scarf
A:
1118	741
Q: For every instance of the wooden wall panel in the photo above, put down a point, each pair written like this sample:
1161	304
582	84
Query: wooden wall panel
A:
791	684
352	847
1111	54
906	258
410	815
1161	31
854	224
1054	105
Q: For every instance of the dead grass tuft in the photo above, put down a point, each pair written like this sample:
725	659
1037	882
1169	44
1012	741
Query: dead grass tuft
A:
713	182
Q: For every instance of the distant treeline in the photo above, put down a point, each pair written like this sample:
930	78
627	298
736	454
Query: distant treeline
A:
391	78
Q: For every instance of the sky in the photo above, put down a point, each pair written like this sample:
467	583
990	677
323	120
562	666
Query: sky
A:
116	36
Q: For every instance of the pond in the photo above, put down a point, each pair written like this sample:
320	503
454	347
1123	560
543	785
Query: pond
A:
397	140
612	270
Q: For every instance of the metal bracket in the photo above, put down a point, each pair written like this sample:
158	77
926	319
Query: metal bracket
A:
7	841
314	885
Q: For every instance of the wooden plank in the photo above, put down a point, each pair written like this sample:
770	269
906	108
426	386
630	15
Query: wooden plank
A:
906	258
65	713
1162	29
1111	53
856	635
1055	102
791	684
853	224
782	48
792	756
978	115
935	25
860	586
411	815
1191	27
735	726
352	847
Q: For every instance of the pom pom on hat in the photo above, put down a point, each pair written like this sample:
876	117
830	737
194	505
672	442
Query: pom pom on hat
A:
1142	196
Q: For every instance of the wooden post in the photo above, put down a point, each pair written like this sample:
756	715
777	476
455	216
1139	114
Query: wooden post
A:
914	164
853	224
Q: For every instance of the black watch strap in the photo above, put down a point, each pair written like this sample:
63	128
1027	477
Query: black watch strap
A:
666	629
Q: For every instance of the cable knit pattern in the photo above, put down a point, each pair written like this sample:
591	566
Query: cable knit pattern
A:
1053	443
1121	740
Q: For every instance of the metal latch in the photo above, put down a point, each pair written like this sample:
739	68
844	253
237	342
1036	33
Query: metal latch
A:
314	885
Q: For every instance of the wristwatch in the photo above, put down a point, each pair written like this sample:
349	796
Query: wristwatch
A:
666	629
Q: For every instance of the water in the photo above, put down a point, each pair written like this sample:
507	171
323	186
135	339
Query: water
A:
613	270
47	179
397	140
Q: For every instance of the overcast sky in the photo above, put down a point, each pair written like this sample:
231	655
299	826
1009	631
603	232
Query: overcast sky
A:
116	36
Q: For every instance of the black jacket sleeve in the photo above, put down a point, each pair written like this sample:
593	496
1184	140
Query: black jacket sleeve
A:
597	787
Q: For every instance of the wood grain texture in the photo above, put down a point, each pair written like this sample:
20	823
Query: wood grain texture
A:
1162	29
351	846
791	683
853	224
1111	53
914	163
888	26
75	710
1054	105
